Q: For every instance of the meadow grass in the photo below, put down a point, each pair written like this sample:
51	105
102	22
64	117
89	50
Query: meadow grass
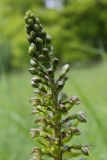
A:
88	84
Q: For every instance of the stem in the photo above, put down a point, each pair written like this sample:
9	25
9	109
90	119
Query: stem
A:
57	124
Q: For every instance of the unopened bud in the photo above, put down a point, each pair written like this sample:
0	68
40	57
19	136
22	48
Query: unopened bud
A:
39	42
75	100
30	22
65	69
41	109
36	28
42	34
37	21
74	131
34	132
32	49
36	79
28	14
33	63
63	110
28	28
32	16
30	39
42	58
42	88
55	62
50	71
81	116
45	51
40	27
33	34
33	71
38	152
60	85
85	150
48	39
33	84
35	101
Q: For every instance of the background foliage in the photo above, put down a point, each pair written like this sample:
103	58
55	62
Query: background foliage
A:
79	30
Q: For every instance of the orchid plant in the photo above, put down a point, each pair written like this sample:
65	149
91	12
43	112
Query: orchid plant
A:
51	106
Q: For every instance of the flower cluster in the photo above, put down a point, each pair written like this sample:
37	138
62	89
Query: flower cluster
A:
50	103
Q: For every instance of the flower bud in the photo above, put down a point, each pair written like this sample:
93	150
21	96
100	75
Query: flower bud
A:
35	101
81	116
62	97
39	68
33	34
28	14
40	27
48	39
36	79
37	21
32	49
65	78
74	131
34	132
50	71
36	28
45	82
38	152
28	28
63	109
45	51
43	134
65	69
30	22
75	100
38	93
33	63
39	42
84	150
33	71
42	34
42	88
42	58
32	16
55	62
60	85
30	39
33	84
41	109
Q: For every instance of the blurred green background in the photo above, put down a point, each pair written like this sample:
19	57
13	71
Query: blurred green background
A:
79	33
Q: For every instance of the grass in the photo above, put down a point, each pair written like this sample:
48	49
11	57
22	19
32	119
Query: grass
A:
89	84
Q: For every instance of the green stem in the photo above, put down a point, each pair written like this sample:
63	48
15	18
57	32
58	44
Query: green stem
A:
57	124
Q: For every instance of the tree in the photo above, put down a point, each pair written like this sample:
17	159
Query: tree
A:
84	30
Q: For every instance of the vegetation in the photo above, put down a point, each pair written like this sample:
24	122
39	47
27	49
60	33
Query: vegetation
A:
82	33
16	121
